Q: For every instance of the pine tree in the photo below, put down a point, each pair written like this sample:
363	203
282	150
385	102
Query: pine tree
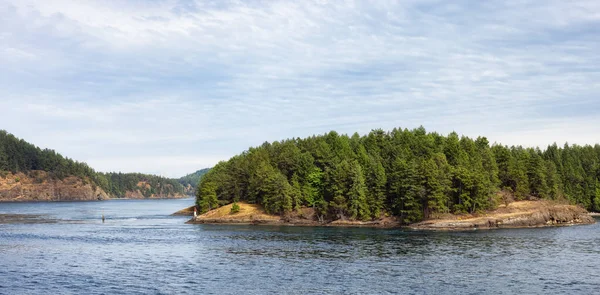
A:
358	207
435	179
552	180
3	159
536	175
207	197
407	190
376	187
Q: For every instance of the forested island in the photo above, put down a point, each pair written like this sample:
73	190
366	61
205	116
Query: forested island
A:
407	175
28	173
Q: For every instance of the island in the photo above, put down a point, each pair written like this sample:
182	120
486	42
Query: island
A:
402	178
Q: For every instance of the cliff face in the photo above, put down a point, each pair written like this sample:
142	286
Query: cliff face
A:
39	186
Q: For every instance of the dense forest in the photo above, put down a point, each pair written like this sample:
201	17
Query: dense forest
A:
17	155
410	174
191	180
117	184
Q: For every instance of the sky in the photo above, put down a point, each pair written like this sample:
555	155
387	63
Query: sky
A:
170	87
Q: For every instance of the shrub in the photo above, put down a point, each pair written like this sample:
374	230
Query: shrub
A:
235	208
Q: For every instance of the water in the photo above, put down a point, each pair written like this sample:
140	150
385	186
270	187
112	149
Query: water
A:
140	249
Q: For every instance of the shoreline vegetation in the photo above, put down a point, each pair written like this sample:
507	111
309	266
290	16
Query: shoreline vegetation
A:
519	214
406	177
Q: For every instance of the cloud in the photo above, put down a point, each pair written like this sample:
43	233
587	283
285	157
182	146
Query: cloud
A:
167	78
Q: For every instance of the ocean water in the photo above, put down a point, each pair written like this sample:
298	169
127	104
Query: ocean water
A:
140	249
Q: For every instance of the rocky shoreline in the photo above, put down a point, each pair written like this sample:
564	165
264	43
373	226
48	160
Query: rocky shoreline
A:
523	214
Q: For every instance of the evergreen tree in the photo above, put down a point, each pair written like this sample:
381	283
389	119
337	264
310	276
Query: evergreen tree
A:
207	196
536	174
376	186
358	206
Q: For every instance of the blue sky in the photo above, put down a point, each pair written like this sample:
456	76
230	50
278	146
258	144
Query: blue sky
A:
169	87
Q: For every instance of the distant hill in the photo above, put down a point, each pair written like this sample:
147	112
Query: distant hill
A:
139	186
30	173
190	181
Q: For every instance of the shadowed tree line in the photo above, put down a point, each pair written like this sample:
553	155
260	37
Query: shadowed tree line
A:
17	155
410	174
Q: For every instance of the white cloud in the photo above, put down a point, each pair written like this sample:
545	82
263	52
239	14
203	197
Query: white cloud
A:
162	78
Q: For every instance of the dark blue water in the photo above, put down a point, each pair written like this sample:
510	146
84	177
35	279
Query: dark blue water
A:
142	250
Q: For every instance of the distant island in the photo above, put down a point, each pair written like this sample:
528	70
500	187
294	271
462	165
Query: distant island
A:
401	177
28	173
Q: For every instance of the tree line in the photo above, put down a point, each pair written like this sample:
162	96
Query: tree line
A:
410	174
192	179
17	155
117	184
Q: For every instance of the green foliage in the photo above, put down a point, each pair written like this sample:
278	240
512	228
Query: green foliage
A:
235	208
207	197
375	190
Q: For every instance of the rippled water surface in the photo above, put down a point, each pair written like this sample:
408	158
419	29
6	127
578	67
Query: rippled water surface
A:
140	249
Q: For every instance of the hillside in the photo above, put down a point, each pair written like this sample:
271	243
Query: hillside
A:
28	173
140	186
410	175
190	181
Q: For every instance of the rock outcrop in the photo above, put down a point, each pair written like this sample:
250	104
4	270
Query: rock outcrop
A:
247	214
515	215
40	186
